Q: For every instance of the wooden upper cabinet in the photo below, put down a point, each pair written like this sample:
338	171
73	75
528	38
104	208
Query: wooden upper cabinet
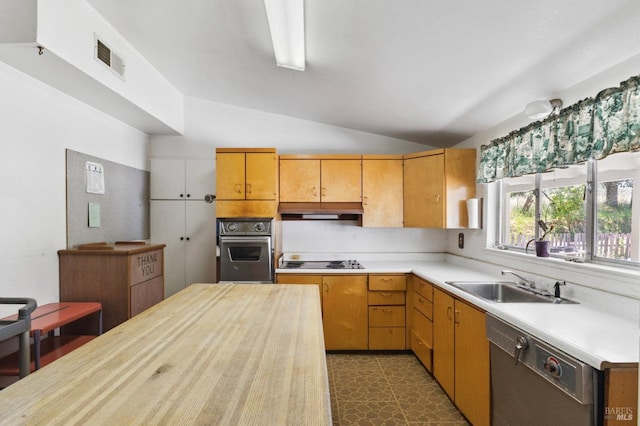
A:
299	180
246	175
341	180
435	206
230	176
317	178
437	184
382	178
415	191
260	175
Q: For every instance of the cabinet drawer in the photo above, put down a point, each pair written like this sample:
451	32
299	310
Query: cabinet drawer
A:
424	288
423	351
423	305
386	297
388	282
422	326
145	266
386	316
387	338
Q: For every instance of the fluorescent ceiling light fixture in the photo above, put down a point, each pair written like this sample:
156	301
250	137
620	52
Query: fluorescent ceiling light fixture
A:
537	110
286	22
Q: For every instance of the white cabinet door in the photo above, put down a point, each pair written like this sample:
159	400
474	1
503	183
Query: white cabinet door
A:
188	228
180	179
167	179
200	178
167	220
200	255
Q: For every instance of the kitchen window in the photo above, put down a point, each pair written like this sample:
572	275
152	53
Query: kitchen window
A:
590	206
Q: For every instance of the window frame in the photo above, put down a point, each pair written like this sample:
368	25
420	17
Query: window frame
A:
591	223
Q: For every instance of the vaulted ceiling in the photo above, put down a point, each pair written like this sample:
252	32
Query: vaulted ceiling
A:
427	71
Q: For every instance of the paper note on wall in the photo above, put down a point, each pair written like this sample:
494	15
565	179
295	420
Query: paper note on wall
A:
95	177
94	215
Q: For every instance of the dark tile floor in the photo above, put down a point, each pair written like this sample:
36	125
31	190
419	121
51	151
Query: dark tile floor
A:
386	389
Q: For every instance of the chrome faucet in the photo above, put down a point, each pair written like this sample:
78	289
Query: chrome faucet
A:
530	284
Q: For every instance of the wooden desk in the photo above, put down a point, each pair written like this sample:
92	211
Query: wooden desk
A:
47	318
210	354
126	277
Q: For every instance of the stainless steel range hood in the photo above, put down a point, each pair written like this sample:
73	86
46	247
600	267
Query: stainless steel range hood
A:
321	211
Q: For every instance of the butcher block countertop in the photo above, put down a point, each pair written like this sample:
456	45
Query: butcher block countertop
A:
211	354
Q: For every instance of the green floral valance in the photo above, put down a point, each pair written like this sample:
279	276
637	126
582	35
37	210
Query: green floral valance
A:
590	129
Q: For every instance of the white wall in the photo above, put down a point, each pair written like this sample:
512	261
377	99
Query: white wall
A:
38	123
68	28
346	237
209	125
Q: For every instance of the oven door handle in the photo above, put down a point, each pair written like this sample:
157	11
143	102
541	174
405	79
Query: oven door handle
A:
245	240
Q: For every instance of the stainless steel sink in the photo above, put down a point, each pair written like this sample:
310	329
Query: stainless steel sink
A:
505	292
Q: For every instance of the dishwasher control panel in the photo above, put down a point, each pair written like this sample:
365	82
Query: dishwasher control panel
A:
555	368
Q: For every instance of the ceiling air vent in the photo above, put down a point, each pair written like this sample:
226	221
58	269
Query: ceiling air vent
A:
108	57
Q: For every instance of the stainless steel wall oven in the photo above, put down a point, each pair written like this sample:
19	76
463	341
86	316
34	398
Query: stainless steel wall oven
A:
246	250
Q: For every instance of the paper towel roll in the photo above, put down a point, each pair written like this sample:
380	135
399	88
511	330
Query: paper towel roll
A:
473	212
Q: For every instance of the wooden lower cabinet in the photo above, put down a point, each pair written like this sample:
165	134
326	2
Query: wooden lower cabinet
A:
620	395
359	311
345	315
386	327
419	319
387	314
422	339
301	279
345	312
461	356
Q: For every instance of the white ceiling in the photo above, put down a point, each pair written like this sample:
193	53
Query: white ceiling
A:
427	71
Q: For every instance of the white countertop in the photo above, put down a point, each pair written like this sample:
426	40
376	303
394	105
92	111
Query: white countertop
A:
597	338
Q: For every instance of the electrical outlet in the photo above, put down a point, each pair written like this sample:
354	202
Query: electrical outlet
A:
461	240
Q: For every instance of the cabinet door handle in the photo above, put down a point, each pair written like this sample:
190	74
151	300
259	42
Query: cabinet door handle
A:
248	188
456	319
386	294
238	188
365	200
323	191
438	198
314	191
181	195
449	312
386	279
421	300
326	288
